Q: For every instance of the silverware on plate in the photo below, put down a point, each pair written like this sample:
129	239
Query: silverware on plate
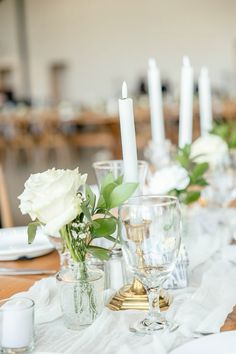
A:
25	271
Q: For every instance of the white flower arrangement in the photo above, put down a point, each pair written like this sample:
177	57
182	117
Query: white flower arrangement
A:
184	179
169	178
211	149
60	201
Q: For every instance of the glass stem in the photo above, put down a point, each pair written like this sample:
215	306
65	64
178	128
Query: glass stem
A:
154	304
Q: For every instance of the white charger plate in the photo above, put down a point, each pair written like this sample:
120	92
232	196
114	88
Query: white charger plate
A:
220	343
14	244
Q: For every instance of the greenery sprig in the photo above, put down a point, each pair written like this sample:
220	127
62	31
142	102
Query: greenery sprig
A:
227	131
196	173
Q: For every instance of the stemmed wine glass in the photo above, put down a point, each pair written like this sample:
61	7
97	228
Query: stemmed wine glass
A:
151	227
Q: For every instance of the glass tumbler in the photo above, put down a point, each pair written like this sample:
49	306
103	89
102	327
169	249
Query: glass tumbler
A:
81	291
116	167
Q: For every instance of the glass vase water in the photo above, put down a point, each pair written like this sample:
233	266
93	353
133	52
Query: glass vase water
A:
81	289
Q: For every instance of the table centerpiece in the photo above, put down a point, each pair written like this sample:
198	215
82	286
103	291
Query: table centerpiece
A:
60	202
184	179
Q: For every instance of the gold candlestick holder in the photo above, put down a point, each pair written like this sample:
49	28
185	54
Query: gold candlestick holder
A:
134	296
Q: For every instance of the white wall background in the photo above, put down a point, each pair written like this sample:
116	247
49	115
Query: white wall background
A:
8	45
9	50
106	41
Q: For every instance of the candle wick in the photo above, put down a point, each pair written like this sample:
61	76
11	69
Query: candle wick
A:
124	90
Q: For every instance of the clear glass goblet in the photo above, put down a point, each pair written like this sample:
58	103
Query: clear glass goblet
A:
151	227
116	167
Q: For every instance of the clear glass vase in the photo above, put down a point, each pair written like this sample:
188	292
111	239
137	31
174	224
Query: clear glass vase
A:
81	294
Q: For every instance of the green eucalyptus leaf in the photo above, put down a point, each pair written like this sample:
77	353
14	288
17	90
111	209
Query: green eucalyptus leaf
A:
101	202
200	181
221	129
183	156
99	252
107	193
95	224
192	196
107	180
86	211
119	180
90	196
103	227
31	231
112	239
186	150
232	140
199	170
183	160
121	193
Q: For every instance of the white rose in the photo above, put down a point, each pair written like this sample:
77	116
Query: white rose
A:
210	148
51	197
167	179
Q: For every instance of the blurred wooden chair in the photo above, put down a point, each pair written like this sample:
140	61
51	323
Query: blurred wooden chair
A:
2	149
5	210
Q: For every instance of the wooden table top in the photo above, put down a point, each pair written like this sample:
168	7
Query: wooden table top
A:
10	285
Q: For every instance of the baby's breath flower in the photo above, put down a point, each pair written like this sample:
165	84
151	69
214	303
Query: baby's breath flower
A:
74	234
82	236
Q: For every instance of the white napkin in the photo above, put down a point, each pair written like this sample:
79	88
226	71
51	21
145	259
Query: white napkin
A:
207	308
206	232
45	295
109	334
229	253
201	309
113	336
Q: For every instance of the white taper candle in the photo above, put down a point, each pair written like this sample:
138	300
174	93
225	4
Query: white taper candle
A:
128	139
155	101
186	104
204	89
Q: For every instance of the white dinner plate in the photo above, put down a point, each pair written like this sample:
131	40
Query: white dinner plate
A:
45	353
220	343
14	244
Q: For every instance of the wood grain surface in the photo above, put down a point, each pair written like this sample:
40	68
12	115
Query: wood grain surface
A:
10	285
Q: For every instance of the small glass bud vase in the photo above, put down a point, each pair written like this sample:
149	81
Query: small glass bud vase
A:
81	291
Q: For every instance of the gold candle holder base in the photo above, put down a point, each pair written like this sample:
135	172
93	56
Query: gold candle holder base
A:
134	297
